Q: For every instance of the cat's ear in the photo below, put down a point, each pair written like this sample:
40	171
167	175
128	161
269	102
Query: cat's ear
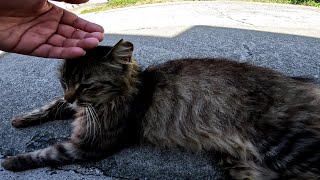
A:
122	51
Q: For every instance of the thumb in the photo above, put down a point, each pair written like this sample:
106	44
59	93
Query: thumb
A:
73	1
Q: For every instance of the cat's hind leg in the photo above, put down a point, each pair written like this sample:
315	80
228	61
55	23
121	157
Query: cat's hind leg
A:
57	109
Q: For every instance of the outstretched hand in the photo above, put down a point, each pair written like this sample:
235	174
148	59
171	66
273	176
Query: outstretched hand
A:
39	28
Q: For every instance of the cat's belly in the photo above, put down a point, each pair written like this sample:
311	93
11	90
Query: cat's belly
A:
174	134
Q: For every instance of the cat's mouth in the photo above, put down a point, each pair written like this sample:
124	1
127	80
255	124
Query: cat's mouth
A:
75	104
79	104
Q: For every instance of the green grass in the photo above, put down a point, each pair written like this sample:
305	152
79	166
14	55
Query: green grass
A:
125	3
122	3
315	3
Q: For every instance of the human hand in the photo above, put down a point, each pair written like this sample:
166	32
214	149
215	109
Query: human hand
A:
39	28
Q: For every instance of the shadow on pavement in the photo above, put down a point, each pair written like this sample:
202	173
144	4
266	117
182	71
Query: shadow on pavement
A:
290	54
28	82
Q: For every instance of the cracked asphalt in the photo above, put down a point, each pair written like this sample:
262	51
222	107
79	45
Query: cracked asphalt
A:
282	37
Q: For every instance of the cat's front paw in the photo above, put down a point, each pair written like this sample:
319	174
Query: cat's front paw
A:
22	121
14	163
19	122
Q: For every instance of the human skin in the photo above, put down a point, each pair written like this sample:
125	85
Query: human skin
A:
39	28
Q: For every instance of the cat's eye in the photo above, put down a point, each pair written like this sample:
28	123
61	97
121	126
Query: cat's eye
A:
108	83
86	85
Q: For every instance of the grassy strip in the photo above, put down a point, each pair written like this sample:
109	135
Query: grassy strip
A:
125	3
122	3
315	3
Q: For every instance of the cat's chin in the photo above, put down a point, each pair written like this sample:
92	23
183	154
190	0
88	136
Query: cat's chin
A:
75	104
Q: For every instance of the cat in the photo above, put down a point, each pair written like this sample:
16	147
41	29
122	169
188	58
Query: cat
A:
263	124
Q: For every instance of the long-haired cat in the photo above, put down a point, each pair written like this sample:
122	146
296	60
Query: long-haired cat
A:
264	124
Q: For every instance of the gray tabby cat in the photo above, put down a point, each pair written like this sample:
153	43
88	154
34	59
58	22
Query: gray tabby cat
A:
264	124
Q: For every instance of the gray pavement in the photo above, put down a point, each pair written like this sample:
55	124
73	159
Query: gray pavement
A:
283	37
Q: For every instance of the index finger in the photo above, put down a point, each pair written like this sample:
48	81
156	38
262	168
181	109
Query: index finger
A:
71	19
49	51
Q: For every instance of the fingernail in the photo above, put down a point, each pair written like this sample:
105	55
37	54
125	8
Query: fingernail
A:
84	53
102	37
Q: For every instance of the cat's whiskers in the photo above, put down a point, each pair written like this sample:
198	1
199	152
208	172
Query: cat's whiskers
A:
93	126
97	125
94	113
88	123
88	126
92	123
56	108
59	108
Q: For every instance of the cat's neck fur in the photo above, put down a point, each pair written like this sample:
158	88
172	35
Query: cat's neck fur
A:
118	112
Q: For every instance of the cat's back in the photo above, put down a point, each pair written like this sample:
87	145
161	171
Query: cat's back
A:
208	74
221	75
197	67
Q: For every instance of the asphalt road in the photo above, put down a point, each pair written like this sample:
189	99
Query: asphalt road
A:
283	37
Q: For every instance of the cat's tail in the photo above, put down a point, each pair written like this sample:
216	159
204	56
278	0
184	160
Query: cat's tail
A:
58	154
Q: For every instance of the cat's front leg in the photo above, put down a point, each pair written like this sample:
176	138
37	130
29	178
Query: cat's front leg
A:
87	143
58	154
57	109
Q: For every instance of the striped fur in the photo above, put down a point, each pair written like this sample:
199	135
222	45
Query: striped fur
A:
61	153
265	125
57	109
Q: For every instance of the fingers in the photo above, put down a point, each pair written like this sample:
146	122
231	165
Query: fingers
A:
50	51
71	32
63	48
61	41
73	1
71	19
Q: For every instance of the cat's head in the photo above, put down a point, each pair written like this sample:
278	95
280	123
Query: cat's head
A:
101	74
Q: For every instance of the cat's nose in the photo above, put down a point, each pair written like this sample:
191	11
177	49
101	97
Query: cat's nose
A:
70	98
